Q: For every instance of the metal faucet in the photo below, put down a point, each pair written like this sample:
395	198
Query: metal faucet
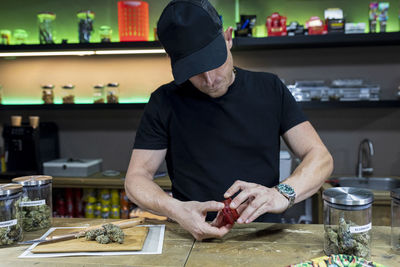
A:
361	151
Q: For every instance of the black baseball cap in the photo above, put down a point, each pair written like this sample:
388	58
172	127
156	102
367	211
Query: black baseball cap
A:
191	32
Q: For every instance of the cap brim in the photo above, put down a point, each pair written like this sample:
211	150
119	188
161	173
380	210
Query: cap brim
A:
208	58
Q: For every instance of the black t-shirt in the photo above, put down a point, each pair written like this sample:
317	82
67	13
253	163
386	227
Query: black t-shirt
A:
212	142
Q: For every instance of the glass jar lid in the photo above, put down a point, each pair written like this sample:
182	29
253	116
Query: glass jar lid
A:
9	189
349	196
395	193
68	86
48	86
99	86
113	84
33	180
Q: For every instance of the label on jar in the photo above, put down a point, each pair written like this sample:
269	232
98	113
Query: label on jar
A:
8	223
360	229
32	203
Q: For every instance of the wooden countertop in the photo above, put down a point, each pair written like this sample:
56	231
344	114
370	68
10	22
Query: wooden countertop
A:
256	244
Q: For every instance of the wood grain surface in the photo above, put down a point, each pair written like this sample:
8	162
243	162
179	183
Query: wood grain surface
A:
134	240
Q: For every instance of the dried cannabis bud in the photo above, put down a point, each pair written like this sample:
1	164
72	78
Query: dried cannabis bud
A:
35	217
91	235
13	233
341	241
10	235
103	239
109	233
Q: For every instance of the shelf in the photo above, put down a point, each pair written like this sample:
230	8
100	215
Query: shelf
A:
305	105
86	49
349	104
239	44
317	41
96	180
73	106
85	46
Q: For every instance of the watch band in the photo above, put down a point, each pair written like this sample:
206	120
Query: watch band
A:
288	192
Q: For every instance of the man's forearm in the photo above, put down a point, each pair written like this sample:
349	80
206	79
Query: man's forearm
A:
145	193
310	175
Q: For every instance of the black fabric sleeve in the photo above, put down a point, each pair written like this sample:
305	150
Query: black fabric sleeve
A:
152	132
291	113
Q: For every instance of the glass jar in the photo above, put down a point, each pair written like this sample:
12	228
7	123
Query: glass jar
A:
85	25
98	94
20	36
10	214
395	233
36	202
68	96
105	34
46	27
335	94
48	94
5	37
347	221
112	93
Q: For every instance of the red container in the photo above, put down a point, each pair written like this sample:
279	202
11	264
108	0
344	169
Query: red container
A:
133	21
276	25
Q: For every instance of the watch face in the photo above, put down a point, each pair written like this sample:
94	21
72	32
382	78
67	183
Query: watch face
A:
286	189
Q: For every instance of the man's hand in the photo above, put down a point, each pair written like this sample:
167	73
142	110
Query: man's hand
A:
255	200
191	216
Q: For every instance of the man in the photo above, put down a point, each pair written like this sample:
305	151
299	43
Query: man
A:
219	128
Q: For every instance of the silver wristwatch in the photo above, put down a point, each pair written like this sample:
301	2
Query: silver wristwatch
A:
288	192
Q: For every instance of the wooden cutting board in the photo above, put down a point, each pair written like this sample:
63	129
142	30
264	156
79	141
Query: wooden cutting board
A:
134	240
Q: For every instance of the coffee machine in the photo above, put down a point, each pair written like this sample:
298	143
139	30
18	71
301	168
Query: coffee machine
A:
26	148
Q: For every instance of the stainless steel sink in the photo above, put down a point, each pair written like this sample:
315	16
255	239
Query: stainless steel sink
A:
373	183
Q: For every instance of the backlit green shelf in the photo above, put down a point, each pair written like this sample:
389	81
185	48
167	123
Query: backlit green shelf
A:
239	44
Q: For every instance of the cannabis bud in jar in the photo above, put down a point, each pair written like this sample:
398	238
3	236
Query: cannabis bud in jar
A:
68	96
347	221
35	213
107	234
112	93
10	222
343	241
36	202
48	94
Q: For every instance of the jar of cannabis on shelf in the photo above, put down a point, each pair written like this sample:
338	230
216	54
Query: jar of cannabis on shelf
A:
98	94
112	93
48	94
68	96
347	221
10	214
36	203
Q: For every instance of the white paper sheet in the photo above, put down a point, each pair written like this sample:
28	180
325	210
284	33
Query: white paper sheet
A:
152	245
